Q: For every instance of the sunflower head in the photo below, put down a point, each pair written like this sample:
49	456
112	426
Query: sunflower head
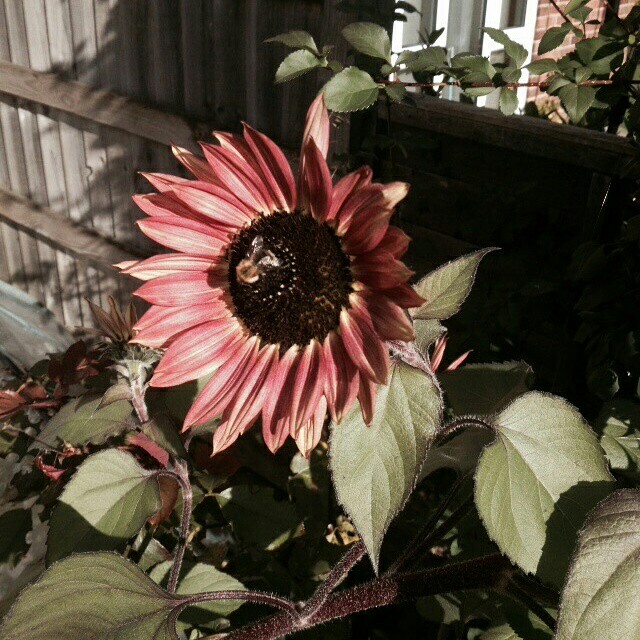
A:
287	288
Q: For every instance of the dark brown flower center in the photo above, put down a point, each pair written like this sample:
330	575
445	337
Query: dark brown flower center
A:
289	278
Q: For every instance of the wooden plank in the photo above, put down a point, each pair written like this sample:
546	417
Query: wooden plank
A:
61	232
95	105
593	150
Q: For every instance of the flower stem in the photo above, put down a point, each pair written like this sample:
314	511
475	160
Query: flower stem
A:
181	474
453	427
138	390
337	574
482	573
257	597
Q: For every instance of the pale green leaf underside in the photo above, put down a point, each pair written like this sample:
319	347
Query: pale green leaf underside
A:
200	578
350	90
107	501
93	596
536	482
375	468
80	422
600	597
446	288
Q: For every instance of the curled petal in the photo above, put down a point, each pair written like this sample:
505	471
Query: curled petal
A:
308	436
394	192
367	399
314	191
317	126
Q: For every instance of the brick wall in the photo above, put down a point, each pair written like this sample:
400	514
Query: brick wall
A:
549	17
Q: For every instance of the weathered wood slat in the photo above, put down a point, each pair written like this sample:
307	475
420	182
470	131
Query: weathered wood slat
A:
95	105
537	137
61	232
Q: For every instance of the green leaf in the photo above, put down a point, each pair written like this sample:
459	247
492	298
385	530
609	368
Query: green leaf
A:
375	468
296	64
200	578
461	453
537	481
107	501
257	517
508	101
296	40
544	65
81	422
431	59
513	49
100	596
369	38
427	332
600	597
619	423
162	431
553	38
482	389
350	90
396	92
446	288
577	100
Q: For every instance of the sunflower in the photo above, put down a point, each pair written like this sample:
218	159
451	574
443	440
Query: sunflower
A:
287	291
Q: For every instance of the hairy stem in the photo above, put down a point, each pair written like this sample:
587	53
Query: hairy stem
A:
452	428
337	574
483	573
138	390
515	593
181	474
257	597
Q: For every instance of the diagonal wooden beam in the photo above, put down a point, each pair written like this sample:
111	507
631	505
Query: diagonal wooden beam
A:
94	105
61	232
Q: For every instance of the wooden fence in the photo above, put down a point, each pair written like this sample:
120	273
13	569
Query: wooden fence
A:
91	93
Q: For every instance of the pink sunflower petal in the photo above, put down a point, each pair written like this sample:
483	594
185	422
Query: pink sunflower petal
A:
216	394
274	167
345	188
199	167
309	385
367	399
395	242
308	436
275	423
214	203
197	352
187	236
314	190
405	296
166	264
380	270
363	346
181	289
341	377
366	231
317	126
243	410
239	178
163	181
394	193
359	206
390	321
159	324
